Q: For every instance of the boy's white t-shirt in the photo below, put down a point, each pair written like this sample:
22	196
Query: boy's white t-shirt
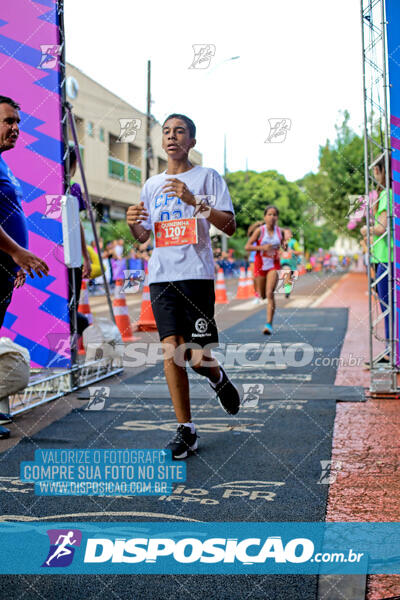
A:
188	261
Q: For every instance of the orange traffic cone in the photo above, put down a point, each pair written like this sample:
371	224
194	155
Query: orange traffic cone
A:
146	321
83	306
81	348
301	270
241	293
251	292
220	289
120	307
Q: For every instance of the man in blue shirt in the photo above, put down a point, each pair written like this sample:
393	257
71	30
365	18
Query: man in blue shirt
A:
15	259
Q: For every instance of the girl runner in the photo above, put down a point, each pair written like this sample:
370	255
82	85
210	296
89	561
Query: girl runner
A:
255	259
268	238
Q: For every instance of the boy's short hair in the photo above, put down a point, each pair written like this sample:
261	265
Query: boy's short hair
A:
188	121
10	101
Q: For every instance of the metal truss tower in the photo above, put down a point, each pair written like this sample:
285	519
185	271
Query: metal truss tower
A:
376	148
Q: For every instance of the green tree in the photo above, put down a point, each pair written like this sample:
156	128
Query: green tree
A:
117	230
317	236
251	192
340	175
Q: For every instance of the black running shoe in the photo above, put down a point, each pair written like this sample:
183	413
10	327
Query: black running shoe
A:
4	433
5	418
227	394
183	442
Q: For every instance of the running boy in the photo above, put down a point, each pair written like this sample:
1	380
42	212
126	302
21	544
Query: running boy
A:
181	270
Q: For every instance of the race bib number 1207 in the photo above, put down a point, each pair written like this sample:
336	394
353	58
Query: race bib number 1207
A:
175	232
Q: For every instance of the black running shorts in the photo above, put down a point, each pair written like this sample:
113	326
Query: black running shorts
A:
185	308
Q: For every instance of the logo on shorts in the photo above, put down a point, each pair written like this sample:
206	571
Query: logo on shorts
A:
201	325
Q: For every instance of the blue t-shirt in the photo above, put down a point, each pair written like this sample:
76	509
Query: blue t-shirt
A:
12	218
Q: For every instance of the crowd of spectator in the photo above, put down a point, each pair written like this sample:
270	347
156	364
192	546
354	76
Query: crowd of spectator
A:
228	263
117	258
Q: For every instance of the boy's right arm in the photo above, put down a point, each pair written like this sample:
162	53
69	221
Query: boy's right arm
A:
134	216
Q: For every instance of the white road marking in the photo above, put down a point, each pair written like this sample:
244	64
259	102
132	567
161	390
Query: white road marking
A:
59	517
299	302
249	305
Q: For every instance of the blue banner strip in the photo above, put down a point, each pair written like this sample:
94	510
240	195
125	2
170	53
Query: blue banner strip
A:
199	548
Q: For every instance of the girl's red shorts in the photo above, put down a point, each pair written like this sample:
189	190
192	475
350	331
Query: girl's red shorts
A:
259	271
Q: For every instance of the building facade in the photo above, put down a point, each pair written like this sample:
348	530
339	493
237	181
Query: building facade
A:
112	140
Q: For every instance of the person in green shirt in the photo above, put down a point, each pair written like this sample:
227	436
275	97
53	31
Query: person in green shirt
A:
289	260
380	251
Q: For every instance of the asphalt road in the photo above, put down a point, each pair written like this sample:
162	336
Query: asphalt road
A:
263	464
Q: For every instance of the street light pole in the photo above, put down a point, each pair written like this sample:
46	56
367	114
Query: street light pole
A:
222	63
148	117
224	238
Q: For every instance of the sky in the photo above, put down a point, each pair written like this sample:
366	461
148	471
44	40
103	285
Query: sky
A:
298	61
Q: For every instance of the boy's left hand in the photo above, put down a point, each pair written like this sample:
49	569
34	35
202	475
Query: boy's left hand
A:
179	189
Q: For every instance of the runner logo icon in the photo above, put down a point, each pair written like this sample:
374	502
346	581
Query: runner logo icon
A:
53	206
278	130
201	325
129	129
204	203
329	471
203	54
251	394
50	56
62	542
132	280
98	397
